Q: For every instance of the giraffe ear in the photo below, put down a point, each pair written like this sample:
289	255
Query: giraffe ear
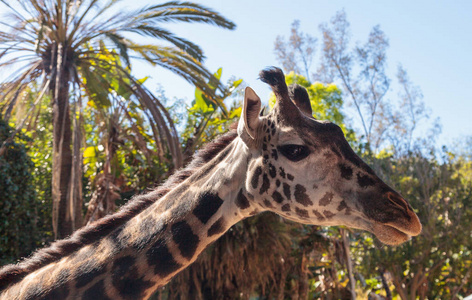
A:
299	96
250	120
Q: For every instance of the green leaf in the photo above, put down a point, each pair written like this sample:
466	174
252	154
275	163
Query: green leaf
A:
89	152
235	84
142	80
201	103
218	73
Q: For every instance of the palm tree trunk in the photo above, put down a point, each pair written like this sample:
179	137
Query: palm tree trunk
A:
62	166
103	201
62	221
350	272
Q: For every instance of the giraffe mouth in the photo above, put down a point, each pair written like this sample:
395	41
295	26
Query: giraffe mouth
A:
399	232
401	229
389	235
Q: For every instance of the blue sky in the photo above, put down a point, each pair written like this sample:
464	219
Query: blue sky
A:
431	39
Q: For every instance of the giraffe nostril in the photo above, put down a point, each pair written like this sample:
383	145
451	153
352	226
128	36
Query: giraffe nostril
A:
398	201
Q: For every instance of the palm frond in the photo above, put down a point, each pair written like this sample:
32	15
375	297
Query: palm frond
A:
18	60
192	49
14	11
183	12
19	127
149	101
77	22
161	124
120	42
186	67
16	86
137	136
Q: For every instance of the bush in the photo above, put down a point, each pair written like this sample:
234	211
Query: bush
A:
19	232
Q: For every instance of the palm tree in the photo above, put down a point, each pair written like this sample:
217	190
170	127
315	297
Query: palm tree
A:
58	45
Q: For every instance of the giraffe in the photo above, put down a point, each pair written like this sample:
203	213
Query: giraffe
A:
286	162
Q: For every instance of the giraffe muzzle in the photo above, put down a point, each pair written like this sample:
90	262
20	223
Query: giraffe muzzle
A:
402	227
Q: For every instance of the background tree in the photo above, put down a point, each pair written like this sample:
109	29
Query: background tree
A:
297	54
360	71
19	209
436	263
436	182
205	120
326	100
410	113
58	45
122	157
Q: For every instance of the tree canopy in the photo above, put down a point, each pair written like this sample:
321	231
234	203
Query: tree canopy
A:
78	51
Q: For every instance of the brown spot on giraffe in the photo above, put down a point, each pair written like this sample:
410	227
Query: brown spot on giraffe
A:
318	215
364	180
208	205
346	171
282	172
287	190
301	212
184	237
56	293
342	205
274	154
327	198
217	227
127	280
268	204
272	171
328	214
159	257
277	197
301	196
265	184
255	177
241	200
286	207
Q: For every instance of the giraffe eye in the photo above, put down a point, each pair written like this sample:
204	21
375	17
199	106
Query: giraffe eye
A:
294	152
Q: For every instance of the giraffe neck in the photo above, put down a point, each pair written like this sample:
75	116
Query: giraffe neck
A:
147	251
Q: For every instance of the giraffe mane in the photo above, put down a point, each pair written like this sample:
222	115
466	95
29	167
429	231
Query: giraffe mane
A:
89	234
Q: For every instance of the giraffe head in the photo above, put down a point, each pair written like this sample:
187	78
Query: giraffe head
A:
304	169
